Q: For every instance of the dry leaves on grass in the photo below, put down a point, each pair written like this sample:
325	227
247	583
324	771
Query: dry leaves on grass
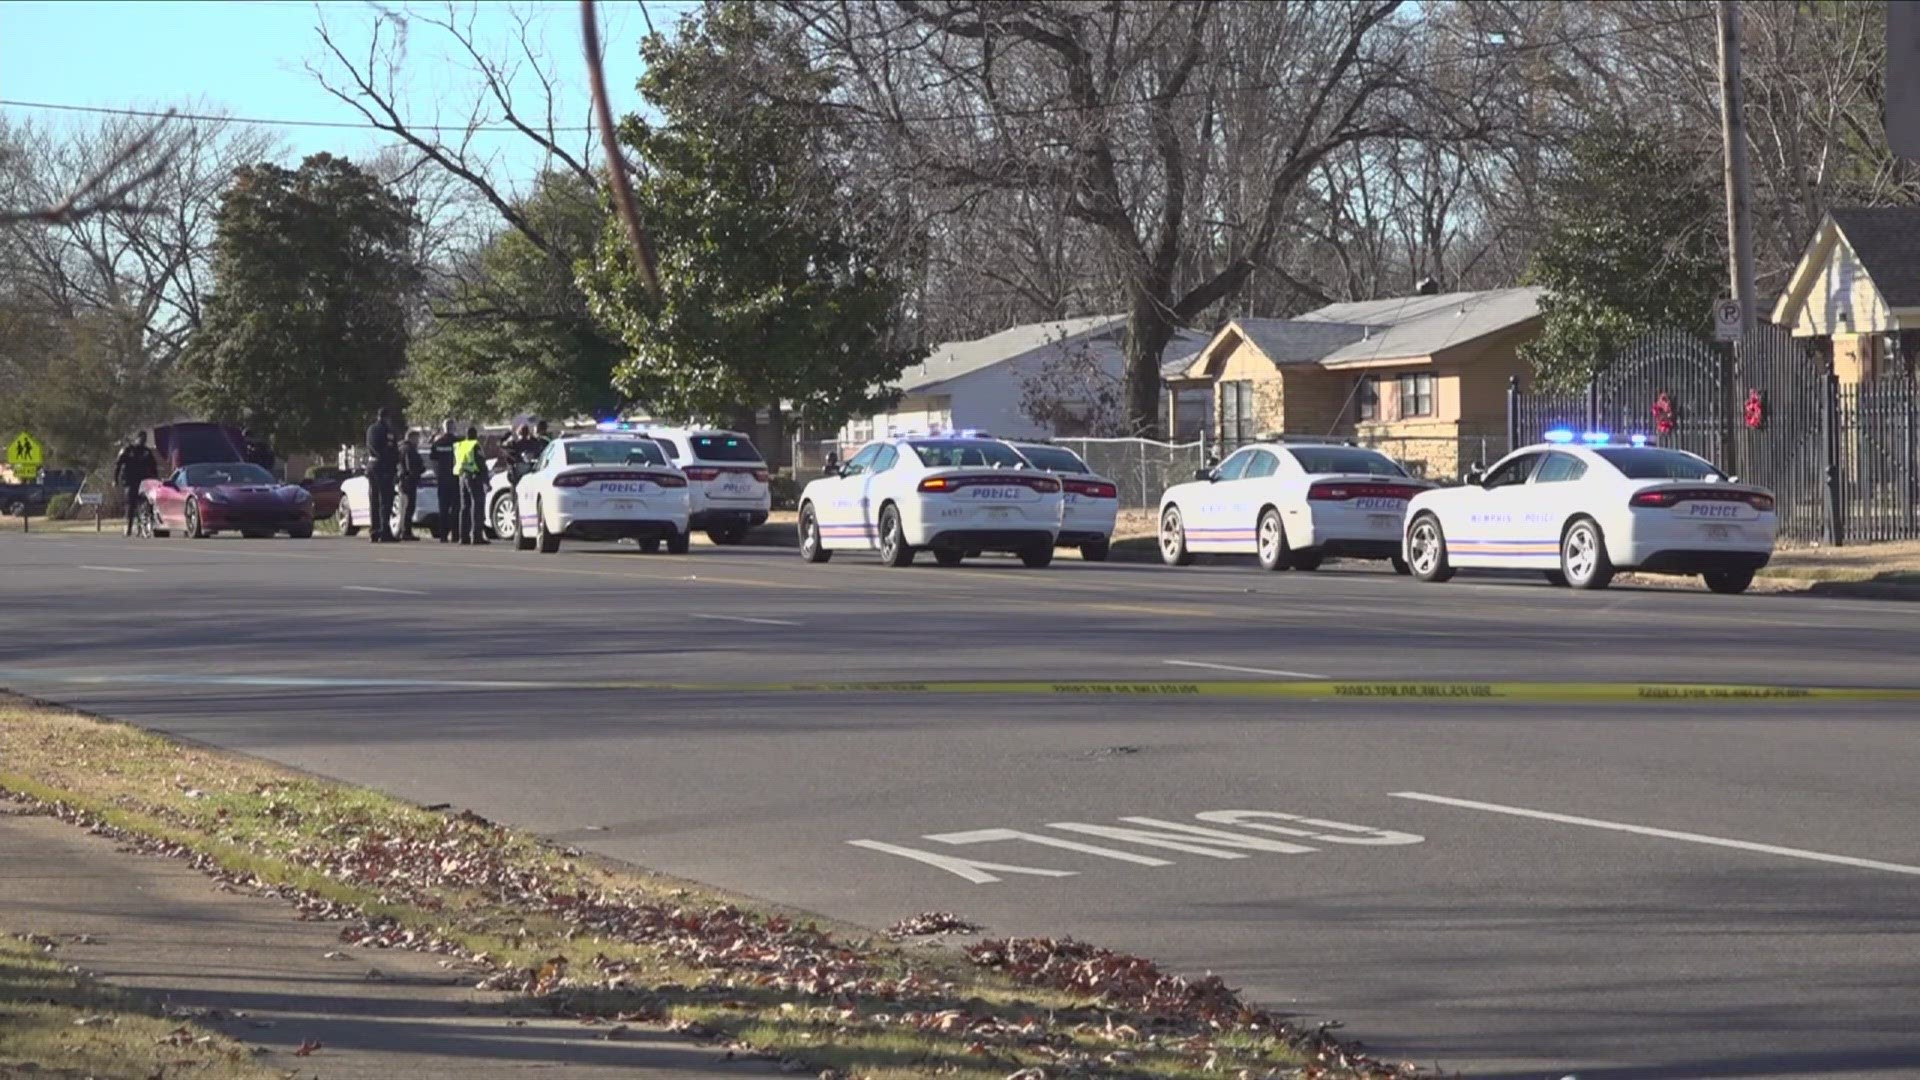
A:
931	924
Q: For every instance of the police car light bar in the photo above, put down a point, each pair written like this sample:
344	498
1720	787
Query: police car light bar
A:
1559	435
1594	438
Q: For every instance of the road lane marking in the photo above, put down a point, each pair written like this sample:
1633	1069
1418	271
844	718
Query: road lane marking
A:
1664	834
382	589
1245	670
114	569
744	619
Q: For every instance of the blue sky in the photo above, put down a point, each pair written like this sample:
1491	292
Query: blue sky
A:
246	57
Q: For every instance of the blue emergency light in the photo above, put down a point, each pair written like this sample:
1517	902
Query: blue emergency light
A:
1559	435
1595	438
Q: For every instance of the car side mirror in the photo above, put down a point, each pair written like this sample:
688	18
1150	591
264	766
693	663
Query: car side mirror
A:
1477	475
1203	474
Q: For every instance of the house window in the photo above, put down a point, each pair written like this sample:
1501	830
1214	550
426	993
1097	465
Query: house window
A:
1236	411
1367	397
1416	395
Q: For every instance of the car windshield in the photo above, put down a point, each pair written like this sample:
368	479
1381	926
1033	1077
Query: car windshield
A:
614	452
1054	459
723	448
1345	459
218	475
1653	463
956	453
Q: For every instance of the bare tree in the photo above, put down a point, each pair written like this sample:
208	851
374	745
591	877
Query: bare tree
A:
111	188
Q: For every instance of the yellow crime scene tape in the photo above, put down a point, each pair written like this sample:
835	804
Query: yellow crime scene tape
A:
1314	690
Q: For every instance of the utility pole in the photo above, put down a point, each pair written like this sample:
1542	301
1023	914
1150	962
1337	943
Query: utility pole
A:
1733	137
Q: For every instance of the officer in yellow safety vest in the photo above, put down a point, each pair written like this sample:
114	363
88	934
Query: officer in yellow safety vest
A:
472	473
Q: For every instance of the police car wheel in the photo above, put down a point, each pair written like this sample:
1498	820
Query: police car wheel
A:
648	547
505	518
1307	560
679	543
1271	543
894	549
949	558
344	518
1037	556
1427	550
812	548
1173	539
1583	556
1728	581
1399	565
549	542
1096	550
1555	578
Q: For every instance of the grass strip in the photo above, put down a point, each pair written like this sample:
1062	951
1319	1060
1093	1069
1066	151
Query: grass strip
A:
562	933
56	1022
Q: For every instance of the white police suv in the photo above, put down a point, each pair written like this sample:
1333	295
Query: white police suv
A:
954	496
608	486
1292	504
728	485
1580	509
1091	503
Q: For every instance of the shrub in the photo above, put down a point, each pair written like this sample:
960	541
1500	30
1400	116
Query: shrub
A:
61	505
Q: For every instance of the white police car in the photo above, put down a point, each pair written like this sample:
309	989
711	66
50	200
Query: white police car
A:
1579	510
728	485
1091	502
1292	504
356	506
603	487
955	496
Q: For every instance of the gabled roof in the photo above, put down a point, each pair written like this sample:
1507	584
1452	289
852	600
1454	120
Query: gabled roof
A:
1281	341
1413	327
953	359
1886	240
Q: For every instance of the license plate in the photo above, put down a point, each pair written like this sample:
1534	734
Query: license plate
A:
1383	521
735	489
999	514
625	504
1719	532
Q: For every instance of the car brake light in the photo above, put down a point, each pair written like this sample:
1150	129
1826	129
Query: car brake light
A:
698	473
1093	489
1661	498
936	483
668	480
1341	492
760	475
572	480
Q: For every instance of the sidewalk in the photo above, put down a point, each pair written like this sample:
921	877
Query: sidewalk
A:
245	966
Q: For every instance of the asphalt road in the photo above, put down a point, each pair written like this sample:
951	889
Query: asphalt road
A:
1510	889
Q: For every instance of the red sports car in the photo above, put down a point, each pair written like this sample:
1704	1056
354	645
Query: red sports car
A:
204	499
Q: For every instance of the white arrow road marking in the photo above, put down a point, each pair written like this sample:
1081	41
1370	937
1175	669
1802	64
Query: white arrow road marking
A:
380	589
1664	834
745	619
1246	670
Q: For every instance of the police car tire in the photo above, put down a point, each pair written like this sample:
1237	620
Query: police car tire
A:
1096	550
1602	573
549	542
1037	557
1399	565
1173	538
300	532
678	543
504	501
1307	560
1555	578
812	548
1728	582
522	541
344	516
894	549
1441	569
949	558
732	534
1273	556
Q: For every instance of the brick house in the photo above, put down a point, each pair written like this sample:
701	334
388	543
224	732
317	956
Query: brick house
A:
1856	292
1423	378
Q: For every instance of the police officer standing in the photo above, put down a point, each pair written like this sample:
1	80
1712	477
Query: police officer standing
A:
134	464
257	450
440	451
412	468
473	487
383	463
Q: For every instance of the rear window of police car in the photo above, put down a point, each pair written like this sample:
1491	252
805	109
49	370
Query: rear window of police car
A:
614	452
1649	463
1344	459
723	448
1054	459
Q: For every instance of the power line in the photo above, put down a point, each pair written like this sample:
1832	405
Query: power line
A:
1500	52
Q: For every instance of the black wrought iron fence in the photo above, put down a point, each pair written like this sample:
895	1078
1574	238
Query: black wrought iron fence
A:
1841	460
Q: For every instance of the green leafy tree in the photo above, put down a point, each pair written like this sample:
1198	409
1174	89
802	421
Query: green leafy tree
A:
774	290
306	329
517	337
1631	245
80	384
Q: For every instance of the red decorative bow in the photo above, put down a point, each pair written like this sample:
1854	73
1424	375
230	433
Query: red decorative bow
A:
1756	410
1665	414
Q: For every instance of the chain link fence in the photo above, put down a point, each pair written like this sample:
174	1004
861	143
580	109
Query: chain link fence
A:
1141	468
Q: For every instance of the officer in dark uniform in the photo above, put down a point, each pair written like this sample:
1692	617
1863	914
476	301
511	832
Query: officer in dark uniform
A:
440	452
134	464
383	465
412	468
257	450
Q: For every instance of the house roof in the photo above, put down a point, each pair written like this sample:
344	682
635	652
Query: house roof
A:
953	359
1886	240
1411	327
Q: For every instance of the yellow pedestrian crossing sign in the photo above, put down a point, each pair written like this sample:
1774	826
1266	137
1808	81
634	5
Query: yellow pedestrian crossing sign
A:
26	457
